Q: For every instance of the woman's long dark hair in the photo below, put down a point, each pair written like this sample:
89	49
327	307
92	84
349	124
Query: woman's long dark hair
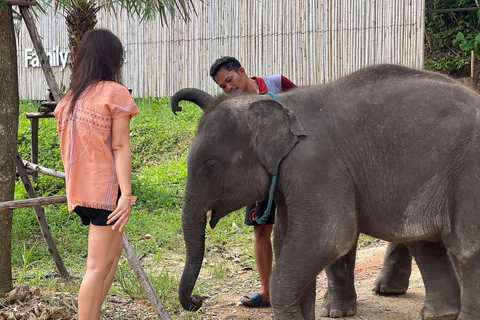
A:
99	58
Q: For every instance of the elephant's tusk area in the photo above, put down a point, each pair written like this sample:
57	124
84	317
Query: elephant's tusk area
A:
209	215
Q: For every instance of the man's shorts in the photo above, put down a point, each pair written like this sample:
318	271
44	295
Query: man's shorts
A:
97	217
263	206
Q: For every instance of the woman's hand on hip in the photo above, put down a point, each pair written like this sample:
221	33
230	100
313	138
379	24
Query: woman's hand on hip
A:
121	214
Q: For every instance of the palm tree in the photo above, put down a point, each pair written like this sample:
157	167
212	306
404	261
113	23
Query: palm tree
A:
81	14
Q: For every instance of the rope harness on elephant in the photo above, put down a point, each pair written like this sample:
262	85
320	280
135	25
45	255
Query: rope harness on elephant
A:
256	212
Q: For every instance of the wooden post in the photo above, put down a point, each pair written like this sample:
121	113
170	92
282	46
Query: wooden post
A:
472	71
42	220
472	67
37	43
34	138
143	279
33	117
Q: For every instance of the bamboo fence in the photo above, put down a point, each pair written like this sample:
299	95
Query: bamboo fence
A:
309	41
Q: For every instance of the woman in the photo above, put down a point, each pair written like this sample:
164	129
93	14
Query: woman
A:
94	129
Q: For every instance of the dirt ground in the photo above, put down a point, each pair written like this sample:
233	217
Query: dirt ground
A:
224	305
223	302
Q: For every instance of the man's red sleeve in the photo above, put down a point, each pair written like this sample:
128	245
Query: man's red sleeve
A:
287	84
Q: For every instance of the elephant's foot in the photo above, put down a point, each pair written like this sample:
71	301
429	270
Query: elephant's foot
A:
443	311
393	283
396	270
338	308
439	317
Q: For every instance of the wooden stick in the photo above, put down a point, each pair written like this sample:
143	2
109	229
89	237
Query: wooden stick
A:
48	172
37	43
143	279
33	202
40	115
472	64
21	2
42	219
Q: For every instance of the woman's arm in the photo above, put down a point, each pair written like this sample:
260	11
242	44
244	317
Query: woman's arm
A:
123	166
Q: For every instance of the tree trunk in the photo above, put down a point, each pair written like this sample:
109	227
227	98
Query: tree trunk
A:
8	140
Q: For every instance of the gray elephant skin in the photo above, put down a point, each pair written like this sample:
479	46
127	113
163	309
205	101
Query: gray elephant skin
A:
388	151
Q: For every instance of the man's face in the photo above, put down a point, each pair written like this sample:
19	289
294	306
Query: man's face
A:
232	82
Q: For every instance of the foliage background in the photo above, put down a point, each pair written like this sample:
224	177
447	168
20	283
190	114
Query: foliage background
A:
450	37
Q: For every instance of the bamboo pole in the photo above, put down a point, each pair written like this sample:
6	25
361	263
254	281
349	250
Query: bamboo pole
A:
42	219
37	43
33	202
143	279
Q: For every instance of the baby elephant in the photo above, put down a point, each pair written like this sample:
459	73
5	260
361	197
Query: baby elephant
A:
388	151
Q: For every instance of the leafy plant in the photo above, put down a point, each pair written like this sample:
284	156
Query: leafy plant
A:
451	36
27	260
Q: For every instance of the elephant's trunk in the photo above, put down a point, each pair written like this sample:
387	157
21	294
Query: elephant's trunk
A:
194	235
197	96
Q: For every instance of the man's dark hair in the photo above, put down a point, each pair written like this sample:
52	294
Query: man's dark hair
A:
230	63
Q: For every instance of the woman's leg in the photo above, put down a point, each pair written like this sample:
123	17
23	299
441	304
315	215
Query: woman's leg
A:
103	254
113	270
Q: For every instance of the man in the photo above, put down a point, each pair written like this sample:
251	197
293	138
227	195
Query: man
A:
229	74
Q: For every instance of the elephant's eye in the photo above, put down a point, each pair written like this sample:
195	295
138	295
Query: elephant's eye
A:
209	165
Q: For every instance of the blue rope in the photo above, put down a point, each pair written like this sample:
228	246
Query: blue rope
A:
273	95
47	276
263	219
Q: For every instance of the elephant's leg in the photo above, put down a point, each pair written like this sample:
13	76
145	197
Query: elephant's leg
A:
307	300
463	241
396	270
305	251
341	298
442	290
470	304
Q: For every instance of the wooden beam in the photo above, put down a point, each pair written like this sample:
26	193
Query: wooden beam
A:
452	10
42	57
40	115
21	2
33	202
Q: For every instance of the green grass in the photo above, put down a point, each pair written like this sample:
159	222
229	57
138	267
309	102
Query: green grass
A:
160	143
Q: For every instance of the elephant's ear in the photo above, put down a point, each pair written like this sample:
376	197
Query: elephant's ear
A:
276	130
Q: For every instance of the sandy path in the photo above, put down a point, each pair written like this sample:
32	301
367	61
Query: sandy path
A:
224	304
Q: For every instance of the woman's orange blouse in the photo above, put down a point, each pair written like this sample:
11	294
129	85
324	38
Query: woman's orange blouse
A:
86	143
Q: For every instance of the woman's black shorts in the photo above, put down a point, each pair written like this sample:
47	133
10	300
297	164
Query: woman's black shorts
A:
97	217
